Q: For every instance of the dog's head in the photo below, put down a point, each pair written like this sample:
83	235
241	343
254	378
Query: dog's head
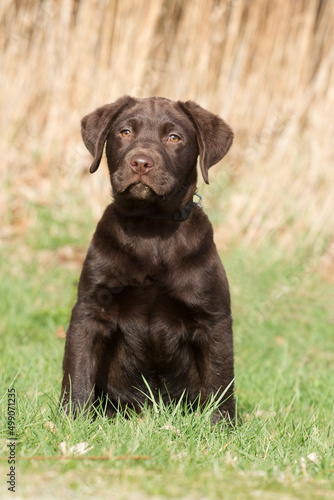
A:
153	145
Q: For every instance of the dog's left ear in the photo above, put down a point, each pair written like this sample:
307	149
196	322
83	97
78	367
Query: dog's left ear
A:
95	127
214	136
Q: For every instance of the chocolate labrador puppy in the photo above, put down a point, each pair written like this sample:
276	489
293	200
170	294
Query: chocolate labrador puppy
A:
153	300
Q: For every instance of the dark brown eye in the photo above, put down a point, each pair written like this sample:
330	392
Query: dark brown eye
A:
125	133
173	138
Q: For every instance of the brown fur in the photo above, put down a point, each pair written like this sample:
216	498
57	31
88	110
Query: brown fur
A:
153	297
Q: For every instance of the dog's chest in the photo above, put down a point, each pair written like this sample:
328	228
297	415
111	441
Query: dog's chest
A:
157	288
150	319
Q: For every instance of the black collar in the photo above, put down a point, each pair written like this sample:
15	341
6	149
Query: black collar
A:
178	215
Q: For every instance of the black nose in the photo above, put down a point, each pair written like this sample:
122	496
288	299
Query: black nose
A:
141	164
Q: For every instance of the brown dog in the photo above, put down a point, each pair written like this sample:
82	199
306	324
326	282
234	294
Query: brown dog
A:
153	300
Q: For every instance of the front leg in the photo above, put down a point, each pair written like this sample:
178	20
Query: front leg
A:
86	341
214	355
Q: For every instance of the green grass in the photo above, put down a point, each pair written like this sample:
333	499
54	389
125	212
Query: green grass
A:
282	446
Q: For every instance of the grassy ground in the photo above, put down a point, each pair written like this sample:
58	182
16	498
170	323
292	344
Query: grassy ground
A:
283	444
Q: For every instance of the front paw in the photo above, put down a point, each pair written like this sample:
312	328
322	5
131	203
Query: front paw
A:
223	418
73	406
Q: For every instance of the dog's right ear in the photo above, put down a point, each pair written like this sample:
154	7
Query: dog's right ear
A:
95	127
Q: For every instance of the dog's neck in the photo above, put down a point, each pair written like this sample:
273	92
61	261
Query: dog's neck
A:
175	209
178	215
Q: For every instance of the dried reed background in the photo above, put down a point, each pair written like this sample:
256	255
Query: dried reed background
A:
265	66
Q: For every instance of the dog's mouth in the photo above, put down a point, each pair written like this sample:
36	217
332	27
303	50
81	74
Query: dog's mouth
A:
138	191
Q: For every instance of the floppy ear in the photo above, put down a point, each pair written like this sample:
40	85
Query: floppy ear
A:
95	127
214	136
